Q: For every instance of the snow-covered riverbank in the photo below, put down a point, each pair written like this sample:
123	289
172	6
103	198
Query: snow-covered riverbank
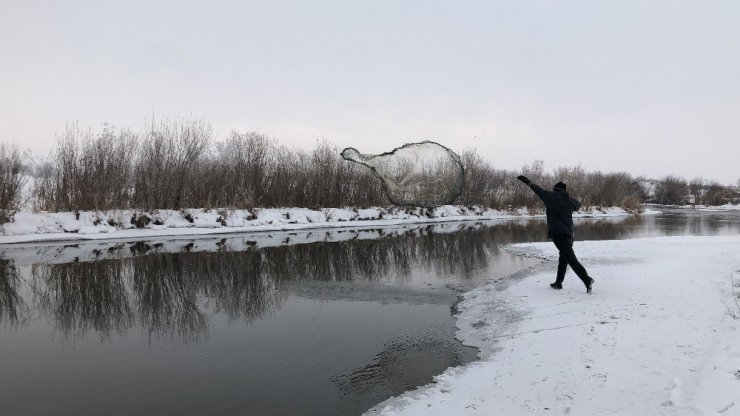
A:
659	335
122	224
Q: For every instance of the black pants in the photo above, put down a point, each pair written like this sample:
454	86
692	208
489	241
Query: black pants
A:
564	243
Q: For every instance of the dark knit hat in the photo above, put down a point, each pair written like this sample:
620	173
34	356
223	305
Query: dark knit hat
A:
560	186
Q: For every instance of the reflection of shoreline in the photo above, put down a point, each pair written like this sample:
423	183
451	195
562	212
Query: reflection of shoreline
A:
169	290
66	252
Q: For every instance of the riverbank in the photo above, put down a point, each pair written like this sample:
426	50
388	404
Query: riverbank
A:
128	224
659	335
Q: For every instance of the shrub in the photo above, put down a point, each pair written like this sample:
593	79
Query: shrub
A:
716	194
632	205
165	169
11	182
671	191
87	172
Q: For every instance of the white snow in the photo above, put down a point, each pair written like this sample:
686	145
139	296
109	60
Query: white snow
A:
660	335
120	224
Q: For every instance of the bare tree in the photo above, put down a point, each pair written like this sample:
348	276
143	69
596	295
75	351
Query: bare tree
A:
11	182
165	168
696	186
716	194
671	190
482	185
88	172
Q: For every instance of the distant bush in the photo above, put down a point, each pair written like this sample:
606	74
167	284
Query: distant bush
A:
483	184
11	182
606	190
165	173
706	192
696	187
671	191
716	194
238	170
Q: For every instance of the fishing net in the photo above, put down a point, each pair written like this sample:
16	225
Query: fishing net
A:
424	174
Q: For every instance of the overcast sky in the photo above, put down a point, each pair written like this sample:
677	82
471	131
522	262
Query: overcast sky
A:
646	87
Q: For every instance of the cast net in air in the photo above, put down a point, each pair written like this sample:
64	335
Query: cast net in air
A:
424	174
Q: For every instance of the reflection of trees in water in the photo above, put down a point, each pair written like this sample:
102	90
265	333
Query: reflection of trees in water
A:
459	253
671	224
368	260
237	284
171	294
710	224
11	303
83	296
166	293
607	228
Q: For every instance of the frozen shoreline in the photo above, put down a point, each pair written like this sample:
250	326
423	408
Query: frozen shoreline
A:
121	224
656	337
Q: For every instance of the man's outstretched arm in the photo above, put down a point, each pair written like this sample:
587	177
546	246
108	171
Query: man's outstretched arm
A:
541	193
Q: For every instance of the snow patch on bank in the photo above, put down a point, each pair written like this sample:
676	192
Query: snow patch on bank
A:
719	208
660	335
87	225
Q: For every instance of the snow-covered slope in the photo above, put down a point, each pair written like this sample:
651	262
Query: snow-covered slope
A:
660	335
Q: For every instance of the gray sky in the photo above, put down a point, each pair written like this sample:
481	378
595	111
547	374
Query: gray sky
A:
647	87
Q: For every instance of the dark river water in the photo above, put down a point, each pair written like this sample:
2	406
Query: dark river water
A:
303	323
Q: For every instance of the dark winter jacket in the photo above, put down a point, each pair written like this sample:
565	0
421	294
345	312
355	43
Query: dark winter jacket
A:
560	208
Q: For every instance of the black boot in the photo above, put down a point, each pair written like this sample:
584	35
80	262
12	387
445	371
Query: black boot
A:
589	285
556	285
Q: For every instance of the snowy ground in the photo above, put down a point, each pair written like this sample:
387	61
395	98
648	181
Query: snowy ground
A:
127	224
660	335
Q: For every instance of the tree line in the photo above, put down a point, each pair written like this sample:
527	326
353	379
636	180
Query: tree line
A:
177	164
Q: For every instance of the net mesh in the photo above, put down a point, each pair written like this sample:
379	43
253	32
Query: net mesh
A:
424	174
